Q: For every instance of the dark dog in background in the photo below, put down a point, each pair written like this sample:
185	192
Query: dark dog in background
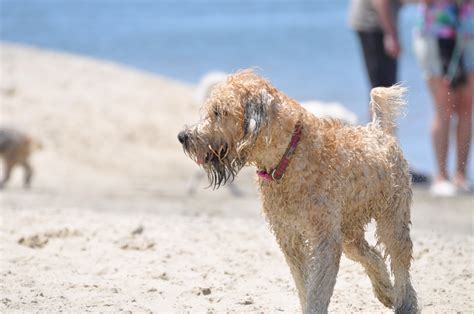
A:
16	148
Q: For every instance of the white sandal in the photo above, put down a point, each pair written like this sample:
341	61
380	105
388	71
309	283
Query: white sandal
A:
443	188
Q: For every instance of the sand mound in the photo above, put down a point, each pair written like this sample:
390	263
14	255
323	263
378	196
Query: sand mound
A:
95	116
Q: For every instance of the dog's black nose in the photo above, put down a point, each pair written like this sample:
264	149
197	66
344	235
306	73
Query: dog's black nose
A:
182	137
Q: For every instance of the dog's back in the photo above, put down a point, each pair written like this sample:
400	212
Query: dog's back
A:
11	140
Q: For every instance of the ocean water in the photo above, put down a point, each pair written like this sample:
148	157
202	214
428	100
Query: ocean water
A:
305	47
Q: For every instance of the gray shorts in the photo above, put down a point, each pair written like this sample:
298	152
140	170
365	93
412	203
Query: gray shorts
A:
427	53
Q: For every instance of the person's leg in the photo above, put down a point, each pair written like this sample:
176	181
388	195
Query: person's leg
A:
373	51
388	68
463	110
382	71
443	105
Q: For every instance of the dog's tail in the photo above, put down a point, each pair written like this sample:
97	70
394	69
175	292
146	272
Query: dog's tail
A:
34	144
387	103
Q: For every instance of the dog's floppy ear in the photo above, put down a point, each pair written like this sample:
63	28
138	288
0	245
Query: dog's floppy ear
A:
256	113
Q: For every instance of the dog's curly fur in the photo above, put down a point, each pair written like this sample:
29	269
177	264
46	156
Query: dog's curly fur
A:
339	179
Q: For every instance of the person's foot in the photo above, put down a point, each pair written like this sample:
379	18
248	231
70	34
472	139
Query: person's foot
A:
418	177
462	184
443	188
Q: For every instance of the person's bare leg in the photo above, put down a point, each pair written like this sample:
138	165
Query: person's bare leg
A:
443	105
464	129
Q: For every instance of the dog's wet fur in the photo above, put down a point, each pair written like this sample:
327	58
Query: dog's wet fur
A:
339	179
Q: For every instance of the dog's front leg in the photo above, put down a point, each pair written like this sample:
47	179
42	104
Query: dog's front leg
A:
294	250
322	269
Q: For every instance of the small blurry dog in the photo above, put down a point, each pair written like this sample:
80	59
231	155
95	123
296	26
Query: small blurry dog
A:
16	148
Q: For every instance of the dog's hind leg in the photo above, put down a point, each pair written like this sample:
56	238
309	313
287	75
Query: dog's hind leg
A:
393	230
357	249
28	173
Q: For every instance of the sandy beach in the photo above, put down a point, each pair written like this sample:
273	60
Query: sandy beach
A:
108	224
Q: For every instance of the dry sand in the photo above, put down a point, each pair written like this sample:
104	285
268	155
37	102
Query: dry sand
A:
108	224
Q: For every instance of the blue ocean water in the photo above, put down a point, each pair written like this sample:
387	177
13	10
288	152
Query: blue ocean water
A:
305	47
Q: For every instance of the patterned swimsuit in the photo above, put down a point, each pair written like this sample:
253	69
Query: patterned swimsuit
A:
447	19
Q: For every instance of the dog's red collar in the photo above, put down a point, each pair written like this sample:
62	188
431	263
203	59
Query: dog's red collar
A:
277	173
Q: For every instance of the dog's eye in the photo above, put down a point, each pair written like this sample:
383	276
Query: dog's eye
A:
218	114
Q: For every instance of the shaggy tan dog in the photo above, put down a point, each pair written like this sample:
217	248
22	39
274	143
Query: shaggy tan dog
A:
16	148
321	183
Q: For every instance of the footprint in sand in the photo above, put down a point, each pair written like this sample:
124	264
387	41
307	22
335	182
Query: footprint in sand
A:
136	241
38	241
